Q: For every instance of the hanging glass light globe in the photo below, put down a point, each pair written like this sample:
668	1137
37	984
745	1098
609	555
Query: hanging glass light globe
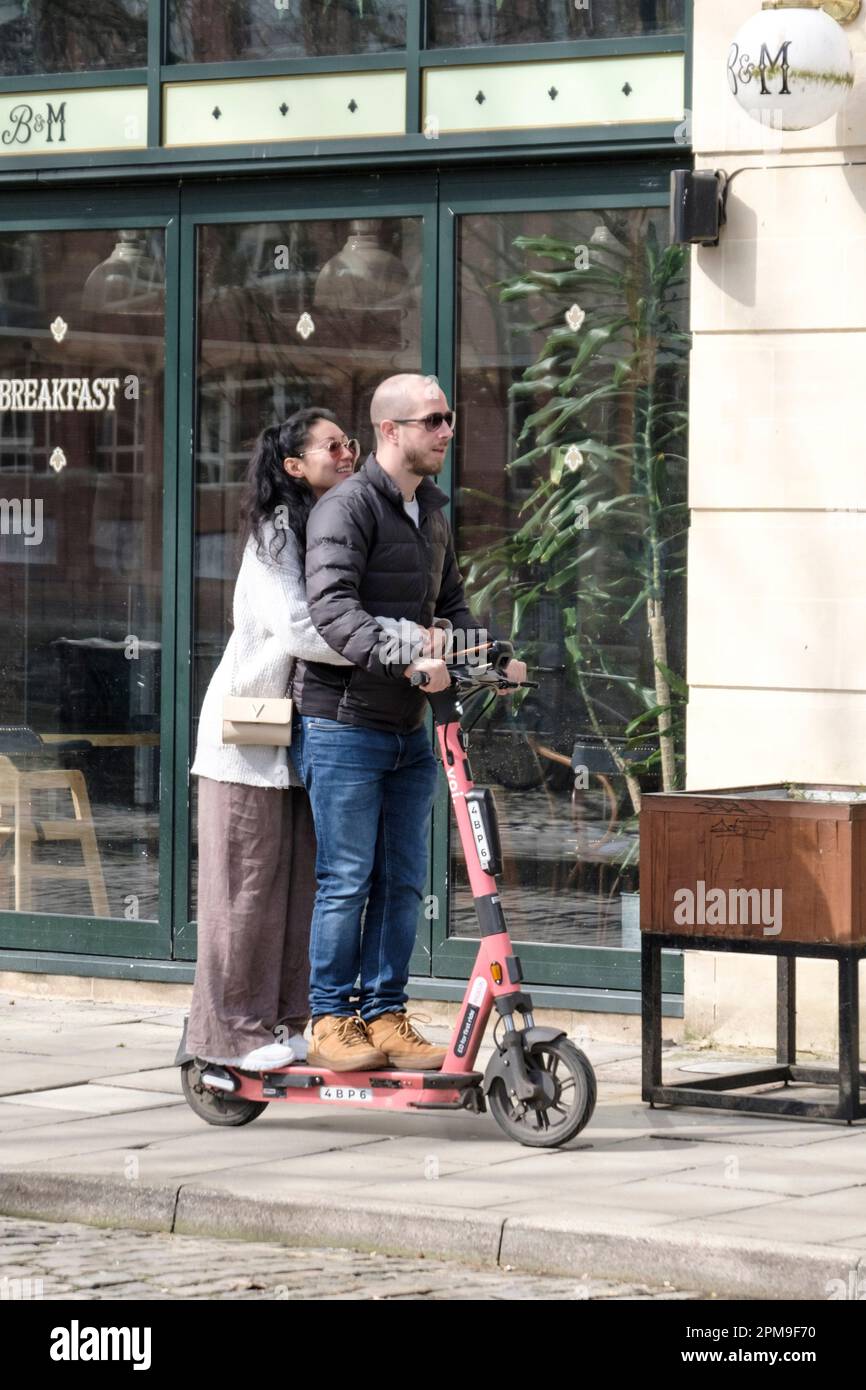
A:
130	281
791	67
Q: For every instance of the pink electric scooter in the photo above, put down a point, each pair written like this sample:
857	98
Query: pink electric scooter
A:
539	1087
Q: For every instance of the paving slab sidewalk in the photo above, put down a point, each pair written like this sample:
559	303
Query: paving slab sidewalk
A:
94	1128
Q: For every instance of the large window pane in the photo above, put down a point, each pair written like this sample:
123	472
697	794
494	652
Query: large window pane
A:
291	314
462	23
81	438
571	521
201	32
43	36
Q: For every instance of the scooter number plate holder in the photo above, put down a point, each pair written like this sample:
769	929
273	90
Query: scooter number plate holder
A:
344	1093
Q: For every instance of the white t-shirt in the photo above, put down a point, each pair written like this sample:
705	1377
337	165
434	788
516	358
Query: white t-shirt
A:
413	510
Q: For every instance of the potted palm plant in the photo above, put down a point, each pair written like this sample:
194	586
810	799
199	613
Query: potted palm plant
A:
603	529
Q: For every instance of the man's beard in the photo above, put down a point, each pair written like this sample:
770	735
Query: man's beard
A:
423	465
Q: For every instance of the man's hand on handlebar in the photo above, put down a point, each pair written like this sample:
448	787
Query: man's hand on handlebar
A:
437	673
504	674
515	672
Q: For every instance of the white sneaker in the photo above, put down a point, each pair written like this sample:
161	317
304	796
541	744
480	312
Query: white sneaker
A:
275	1055
271	1055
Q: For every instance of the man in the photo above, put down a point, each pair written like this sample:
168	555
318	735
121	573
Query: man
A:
380	545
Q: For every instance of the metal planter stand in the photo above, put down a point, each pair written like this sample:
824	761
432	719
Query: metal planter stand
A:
718	1093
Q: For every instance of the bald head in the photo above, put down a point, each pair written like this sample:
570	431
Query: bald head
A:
403	397
406	447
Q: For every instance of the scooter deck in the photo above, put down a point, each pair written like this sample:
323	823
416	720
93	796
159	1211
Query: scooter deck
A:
403	1075
389	1087
302	1075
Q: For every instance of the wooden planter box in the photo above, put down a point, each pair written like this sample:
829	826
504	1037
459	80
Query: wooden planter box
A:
755	863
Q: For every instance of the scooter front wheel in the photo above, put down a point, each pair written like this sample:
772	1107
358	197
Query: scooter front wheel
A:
213	1106
569	1097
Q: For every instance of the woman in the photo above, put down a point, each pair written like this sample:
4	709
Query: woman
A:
256	843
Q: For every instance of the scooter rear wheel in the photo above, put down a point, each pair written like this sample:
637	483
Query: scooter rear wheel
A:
215	1107
570	1096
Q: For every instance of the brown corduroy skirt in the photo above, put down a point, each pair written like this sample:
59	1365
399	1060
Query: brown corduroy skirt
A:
256	888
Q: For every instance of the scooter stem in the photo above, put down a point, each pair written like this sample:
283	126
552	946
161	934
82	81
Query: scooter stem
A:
496	975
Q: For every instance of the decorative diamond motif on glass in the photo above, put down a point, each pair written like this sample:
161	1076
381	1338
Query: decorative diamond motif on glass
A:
353	106
481	98
58	329
575	317
305	326
628	89
57	460
284	109
216	113
573	458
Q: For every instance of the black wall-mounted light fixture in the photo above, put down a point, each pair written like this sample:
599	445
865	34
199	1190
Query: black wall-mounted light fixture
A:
697	206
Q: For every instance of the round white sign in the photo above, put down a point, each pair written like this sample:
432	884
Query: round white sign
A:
791	69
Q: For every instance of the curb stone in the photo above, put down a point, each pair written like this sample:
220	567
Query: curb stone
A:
736	1268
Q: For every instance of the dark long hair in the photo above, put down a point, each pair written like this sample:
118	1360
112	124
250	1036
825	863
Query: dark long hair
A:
268	485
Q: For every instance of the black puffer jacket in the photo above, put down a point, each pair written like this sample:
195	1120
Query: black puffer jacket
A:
366	558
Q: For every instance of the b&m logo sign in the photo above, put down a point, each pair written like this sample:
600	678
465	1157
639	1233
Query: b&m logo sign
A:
61	123
26	120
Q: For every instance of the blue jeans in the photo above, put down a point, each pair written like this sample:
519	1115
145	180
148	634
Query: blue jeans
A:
372	794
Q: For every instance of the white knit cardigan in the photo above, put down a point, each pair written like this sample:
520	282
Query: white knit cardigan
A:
272	628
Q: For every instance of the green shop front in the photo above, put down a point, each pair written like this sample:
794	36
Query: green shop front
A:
214	213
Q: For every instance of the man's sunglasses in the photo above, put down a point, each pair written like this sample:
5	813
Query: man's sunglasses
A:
433	422
335	448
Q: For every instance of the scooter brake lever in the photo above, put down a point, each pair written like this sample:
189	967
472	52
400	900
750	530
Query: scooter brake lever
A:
500	652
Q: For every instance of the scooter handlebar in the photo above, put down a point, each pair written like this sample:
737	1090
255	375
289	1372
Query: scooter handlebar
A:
499	653
462	682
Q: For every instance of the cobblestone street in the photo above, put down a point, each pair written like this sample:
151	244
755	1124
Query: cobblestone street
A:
77	1262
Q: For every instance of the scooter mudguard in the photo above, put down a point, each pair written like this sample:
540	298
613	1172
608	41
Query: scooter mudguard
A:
498	1068
182	1054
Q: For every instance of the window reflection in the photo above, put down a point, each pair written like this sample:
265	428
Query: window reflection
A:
80	624
290	314
44	36
571	522
200	32
462	23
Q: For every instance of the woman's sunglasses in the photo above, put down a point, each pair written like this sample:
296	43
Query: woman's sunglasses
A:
433	422
335	448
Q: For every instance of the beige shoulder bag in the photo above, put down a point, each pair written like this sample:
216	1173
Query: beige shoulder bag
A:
258	720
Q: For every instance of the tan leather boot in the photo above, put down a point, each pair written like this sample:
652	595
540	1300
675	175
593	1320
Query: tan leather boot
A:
341	1044
404	1048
